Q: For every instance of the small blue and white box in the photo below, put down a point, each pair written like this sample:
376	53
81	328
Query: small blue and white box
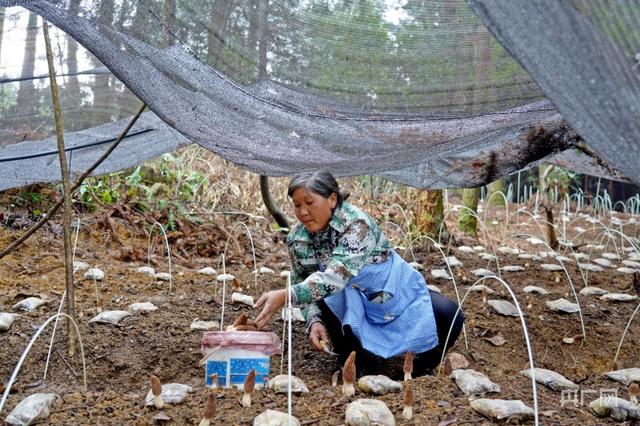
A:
231	355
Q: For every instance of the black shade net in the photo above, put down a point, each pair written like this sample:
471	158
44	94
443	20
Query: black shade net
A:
416	91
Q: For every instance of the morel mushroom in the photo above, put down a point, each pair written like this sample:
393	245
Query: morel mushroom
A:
156	390
209	410
349	375
407	412
408	366
249	385
634	391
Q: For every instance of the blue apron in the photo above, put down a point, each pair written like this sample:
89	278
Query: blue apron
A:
405	322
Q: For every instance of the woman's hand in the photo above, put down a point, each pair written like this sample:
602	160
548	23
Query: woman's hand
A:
272	301
317	334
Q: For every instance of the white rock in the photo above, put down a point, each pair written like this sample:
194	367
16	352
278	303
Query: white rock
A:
478	248
79	265
296	314
379	385
481	272
499	409
603	262
94	274
29	304
536	290
473	382
535	241
593	291
610	256
242	298
172	393
551	267
580	256
487	256
275	418
265	270
597	247
6	320
142	307
465	249
529	256
626	270
225	277
480	288
631	263
618	297
369	412
33	408
618	408
513	268
564	259
285	274
416	266
280	384
590	267
198	325
550	379
504	307
625	376
562	305
162	276
110	317
635	257
440	273
207	271
508	250
147	270
433	288
453	261
579	229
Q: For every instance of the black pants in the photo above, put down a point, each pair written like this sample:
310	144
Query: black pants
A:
344	341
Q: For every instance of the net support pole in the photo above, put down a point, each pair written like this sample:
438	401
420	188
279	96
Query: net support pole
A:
66	189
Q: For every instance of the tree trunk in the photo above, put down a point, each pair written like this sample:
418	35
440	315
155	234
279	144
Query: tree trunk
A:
220	12
102	103
496	186
26	101
270	203
482	92
263	39
169	22
1	30
467	222
73	86
430	213
547	205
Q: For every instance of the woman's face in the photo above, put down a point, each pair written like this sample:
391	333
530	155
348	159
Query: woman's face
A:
313	210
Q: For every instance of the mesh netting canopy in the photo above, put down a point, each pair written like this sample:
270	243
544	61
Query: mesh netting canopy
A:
419	91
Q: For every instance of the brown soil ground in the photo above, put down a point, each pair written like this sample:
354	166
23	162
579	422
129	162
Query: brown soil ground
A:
120	359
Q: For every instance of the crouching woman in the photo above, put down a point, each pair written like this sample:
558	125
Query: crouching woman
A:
360	295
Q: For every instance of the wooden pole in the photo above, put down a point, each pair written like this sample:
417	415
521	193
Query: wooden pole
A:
66	187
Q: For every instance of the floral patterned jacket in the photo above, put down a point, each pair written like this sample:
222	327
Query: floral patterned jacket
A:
323	262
